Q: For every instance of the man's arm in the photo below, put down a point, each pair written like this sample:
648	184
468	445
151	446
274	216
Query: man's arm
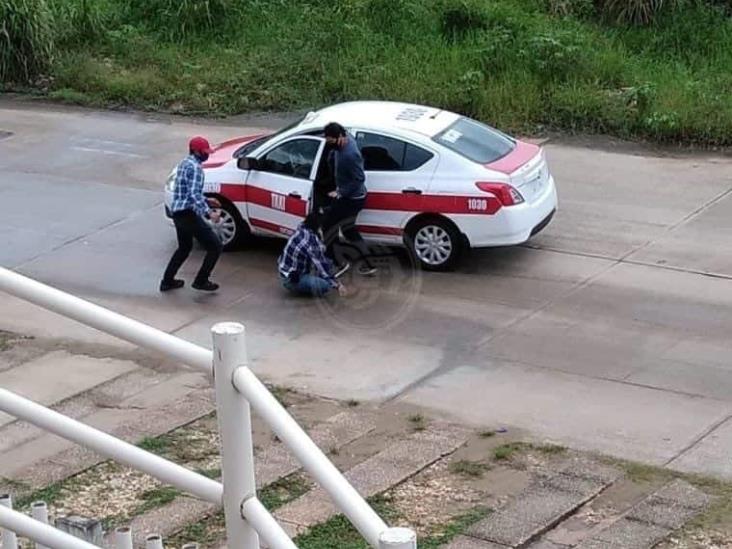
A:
201	205
322	264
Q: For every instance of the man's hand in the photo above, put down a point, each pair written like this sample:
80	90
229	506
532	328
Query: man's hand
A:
214	216
333	194
213	202
342	291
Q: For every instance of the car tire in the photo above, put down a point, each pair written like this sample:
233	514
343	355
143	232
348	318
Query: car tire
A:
233	231
436	243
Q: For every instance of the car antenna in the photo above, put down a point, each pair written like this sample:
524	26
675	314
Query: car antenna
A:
435	115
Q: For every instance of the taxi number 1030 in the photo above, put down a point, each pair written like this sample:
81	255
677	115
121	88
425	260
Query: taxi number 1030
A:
477	204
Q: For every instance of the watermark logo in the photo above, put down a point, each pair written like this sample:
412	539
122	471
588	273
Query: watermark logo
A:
382	285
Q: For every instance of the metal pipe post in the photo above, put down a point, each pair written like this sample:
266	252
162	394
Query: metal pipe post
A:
398	538
235	428
39	512
41	533
10	540
269	529
123	538
154	541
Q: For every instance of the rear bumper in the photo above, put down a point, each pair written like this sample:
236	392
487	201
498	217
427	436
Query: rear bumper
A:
511	225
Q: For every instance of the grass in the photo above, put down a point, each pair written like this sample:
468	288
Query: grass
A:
417	422
49	494
338	532
157	497
506	451
156	445
467	468
211	530
522	65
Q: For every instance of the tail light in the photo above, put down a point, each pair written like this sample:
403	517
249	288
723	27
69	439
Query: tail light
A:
505	193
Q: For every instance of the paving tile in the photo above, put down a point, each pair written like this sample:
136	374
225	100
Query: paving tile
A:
584	467
537	509
684	494
466	542
378	473
59	375
630	534
660	513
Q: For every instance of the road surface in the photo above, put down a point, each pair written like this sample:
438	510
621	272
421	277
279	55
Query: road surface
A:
611	331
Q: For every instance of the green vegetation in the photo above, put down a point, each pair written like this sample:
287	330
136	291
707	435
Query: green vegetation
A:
467	468
652	69
338	532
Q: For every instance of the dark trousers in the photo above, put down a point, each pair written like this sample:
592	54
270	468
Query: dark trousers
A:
341	216
188	225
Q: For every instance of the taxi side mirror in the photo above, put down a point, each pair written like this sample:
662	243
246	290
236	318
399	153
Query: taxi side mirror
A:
247	163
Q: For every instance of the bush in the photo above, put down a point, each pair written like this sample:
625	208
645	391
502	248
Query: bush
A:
459	18
570	8
26	41
78	21
636	12
180	19
555	56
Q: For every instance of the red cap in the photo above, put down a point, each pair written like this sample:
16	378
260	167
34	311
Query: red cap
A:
200	144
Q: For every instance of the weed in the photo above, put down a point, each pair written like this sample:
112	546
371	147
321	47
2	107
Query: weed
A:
26	40
506	451
466	468
487	434
156	445
352	403
49	494
418	422
157	497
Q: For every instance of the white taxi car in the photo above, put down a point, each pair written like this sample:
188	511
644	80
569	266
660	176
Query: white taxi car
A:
437	181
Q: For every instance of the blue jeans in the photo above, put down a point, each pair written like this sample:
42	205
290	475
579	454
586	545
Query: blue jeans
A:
308	285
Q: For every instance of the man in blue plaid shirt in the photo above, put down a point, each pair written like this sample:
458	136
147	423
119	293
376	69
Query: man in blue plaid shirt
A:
303	265
189	210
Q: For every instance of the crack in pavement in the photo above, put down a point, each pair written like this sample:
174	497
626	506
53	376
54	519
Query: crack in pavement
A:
699	439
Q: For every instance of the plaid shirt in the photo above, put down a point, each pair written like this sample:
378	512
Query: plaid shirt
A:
304	253
188	193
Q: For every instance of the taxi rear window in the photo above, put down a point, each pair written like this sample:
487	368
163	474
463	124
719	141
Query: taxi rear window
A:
475	141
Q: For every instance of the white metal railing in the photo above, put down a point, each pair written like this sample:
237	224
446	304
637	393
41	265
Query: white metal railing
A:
237	388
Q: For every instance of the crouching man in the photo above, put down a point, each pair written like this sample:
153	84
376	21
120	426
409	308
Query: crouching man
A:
303	267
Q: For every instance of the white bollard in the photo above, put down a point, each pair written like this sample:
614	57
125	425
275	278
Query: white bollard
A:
235	427
10	540
154	541
398	538
123	538
39	511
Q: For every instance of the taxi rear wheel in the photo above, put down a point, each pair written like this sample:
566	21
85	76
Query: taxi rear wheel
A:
436	243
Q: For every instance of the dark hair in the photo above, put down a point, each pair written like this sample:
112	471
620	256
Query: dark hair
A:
312	221
334	129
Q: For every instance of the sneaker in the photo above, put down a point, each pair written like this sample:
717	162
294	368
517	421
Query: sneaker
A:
342	269
367	270
166	286
207	286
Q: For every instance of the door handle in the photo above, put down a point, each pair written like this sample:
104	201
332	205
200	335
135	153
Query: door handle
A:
411	190
295	194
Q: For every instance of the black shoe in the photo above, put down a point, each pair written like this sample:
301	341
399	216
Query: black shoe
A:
174	284
207	286
342	269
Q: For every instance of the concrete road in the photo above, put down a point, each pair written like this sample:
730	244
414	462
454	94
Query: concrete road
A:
609	332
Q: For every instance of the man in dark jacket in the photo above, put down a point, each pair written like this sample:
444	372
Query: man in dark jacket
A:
349	198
